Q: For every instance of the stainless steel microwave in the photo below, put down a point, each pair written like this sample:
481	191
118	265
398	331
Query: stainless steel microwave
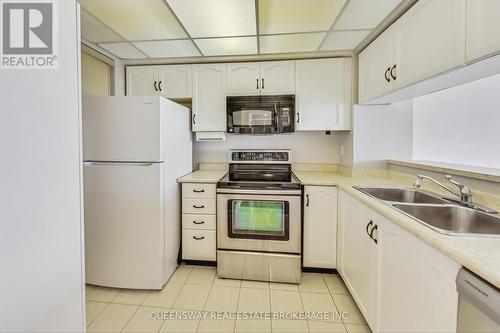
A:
261	114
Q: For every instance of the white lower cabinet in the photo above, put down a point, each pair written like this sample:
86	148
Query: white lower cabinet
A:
399	283
320	227
199	245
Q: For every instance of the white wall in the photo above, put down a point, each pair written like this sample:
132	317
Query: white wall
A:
307	147
459	125
41	279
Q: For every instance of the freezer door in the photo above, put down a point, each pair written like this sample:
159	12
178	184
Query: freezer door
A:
123	128
124	224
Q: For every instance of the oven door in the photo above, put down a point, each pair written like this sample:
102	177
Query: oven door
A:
251	221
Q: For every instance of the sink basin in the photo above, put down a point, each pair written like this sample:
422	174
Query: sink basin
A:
403	195
453	219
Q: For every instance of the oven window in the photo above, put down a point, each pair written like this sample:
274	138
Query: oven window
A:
258	219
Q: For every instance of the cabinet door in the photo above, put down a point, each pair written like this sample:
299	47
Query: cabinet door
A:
320	227
357	253
375	63
414	282
323	94
277	78
175	81
142	80
209	97
243	79
483	28
429	39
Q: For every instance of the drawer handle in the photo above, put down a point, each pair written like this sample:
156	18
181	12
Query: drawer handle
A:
198	238
198	191
198	207
199	222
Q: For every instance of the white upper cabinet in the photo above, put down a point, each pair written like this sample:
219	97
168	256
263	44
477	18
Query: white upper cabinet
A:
209	97
175	81
483	28
320	227
277	78
142	80
323	98
243	79
429	39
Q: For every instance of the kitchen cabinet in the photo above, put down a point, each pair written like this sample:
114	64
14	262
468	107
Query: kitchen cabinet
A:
264	78
172	81
416	284
358	253
320	227
209	98
483	29
323	99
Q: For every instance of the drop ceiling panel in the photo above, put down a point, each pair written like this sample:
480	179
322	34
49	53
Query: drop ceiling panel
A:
123	50
344	40
291	43
168	48
95	31
280	16
136	19
364	14
228	46
216	18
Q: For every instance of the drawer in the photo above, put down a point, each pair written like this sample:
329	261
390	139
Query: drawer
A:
198	206
198	221
198	190
199	245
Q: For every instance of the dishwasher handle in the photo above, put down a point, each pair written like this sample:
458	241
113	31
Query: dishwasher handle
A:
484	296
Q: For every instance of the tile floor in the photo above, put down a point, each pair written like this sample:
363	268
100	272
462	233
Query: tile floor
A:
195	300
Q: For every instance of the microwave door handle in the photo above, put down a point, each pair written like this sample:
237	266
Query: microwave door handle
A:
276	117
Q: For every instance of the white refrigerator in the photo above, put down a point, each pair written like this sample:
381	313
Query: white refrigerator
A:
134	149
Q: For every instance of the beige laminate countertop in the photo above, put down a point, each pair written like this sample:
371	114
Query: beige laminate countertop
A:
203	176
481	255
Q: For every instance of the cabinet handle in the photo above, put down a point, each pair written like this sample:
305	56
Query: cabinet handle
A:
199	222
199	238
394	76
307	200
198	207
371	233
298	117
159	85
198	191
388	79
154	84
262	83
194	119
368	227
257	84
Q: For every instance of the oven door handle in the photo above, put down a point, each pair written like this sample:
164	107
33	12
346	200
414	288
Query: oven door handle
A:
293	192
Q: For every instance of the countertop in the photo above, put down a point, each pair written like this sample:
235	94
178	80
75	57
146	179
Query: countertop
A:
481	255
203	176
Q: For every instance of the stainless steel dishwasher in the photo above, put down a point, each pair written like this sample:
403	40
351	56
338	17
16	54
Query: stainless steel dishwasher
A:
478	304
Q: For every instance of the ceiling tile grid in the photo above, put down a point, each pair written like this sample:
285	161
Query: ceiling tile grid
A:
141	29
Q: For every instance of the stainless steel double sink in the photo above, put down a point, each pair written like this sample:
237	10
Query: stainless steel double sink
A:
436	212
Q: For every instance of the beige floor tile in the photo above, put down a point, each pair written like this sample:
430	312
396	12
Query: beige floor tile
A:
317	302
254	300
253	326
313	282
223	299
335	284
181	274
192	297
129	296
285	301
351	328
103	294
93	309
216	326
290	326
284	286
346	304
164	298
113	318
143	321
89	288
254	284
202	275
227	282
326	327
186	322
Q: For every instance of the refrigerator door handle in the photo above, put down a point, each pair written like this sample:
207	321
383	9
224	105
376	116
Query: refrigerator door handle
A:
93	163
